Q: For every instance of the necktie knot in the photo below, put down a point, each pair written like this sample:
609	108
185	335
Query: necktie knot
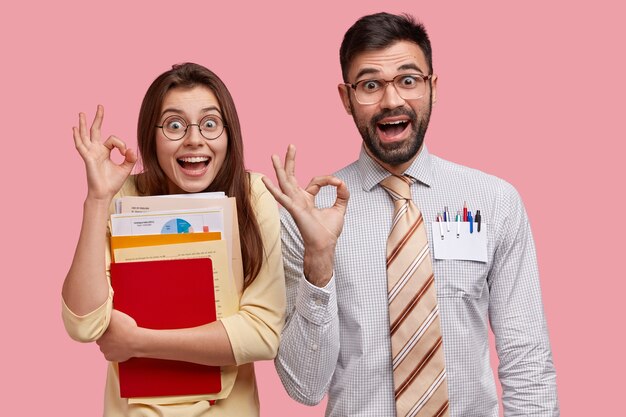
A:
399	187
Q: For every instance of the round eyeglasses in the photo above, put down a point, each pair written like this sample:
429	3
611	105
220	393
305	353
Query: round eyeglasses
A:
175	127
408	86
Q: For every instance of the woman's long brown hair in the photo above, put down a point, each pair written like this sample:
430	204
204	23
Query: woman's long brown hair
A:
232	177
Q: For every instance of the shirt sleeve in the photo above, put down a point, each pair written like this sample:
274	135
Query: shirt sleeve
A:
91	326
309	347
526	369
254	332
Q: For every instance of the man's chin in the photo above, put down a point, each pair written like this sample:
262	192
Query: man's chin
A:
393	146
393	153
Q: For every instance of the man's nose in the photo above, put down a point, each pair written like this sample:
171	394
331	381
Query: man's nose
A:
391	99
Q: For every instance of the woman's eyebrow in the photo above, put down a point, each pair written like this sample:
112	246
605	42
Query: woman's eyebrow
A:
181	112
210	108
172	110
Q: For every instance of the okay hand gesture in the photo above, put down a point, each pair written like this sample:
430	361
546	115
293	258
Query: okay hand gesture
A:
320	228
104	177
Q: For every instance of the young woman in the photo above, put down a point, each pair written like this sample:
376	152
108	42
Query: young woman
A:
190	141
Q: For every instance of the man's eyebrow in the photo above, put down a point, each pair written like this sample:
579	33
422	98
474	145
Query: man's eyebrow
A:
410	66
403	67
366	71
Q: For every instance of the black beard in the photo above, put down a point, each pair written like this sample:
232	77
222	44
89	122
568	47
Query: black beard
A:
399	152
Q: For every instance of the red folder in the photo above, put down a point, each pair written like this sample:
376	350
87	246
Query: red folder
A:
168	294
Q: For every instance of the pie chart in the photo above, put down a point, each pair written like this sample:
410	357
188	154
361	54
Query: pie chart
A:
176	226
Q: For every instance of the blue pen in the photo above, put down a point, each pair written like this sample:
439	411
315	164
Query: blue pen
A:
471	221
446	217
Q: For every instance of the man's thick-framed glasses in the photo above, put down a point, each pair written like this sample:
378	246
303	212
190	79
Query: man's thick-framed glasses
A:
175	127
408	86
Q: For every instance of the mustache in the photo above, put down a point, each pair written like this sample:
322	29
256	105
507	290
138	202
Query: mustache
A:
394	112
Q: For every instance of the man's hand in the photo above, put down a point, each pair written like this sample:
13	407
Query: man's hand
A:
320	228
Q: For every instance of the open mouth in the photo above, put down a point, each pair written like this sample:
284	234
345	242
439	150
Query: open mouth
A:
194	163
394	128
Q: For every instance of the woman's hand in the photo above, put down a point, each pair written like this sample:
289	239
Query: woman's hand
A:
117	343
104	177
319	228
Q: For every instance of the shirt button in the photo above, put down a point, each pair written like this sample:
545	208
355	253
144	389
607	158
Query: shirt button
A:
314	347
317	301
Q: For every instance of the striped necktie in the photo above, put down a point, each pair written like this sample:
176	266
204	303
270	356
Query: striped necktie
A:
419	371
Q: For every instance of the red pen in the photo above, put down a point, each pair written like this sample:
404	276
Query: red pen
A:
440	220
465	211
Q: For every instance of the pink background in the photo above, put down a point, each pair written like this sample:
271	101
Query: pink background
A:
532	92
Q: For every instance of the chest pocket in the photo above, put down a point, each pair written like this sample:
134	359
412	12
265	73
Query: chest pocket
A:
460	278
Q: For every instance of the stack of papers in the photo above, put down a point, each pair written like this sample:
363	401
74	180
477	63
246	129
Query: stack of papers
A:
176	263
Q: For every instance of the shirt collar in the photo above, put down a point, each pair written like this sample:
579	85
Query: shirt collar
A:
372	173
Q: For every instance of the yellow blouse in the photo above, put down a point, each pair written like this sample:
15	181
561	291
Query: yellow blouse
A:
253	332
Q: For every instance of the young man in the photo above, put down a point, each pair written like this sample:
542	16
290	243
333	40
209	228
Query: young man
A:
382	318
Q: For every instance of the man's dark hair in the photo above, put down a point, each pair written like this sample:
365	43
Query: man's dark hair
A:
378	31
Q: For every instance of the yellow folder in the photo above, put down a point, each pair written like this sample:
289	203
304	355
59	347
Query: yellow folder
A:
121	242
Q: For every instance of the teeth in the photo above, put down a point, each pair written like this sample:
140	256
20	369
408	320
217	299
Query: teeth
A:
194	159
394	123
